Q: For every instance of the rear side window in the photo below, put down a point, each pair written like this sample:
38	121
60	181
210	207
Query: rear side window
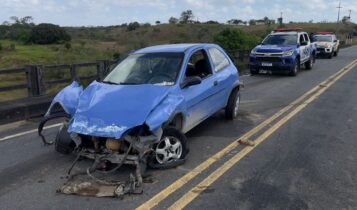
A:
220	61
301	38
306	37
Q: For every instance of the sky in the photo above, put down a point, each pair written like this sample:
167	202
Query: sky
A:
116	12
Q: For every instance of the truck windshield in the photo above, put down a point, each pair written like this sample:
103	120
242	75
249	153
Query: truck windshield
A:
281	39
322	38
150	68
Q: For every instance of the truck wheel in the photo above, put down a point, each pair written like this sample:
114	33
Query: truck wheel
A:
232	107
309	64
63	143
253	71
335	53
295	69
329	56
172	147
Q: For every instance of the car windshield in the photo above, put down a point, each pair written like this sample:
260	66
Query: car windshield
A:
322	39
281	39
150	68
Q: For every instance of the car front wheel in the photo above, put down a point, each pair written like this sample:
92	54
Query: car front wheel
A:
232	107
171	147
295	69
63	143
335	53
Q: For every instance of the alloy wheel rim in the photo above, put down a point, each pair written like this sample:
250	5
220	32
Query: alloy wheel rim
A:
168	149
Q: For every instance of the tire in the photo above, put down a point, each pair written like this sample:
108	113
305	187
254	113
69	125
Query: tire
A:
329	56
253	71
165	152
63	143
232	108
309	64
295	69
335	53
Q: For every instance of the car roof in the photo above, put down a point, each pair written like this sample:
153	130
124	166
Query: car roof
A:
172	48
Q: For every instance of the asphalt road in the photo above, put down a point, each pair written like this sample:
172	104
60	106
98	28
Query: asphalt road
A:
308	161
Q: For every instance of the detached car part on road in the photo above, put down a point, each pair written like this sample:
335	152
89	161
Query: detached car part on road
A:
140	112
283	50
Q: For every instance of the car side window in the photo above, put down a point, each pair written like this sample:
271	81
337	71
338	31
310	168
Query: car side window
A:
198	65
301	38
306	37
219	60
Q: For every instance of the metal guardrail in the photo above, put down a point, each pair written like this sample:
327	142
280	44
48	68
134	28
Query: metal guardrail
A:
36	83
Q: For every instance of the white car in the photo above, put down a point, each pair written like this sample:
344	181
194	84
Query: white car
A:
327	44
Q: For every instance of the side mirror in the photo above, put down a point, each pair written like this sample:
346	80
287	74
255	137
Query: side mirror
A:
304	43
190	81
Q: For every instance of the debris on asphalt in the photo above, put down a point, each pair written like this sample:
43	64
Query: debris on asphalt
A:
247	142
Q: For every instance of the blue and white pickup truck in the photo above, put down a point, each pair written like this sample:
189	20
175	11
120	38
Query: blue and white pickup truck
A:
283	50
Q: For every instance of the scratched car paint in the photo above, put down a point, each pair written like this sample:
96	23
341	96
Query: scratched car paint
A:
139	113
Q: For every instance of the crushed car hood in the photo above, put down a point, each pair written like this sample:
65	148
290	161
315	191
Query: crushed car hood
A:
274	48
107	110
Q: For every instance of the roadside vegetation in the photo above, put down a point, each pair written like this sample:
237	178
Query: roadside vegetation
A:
22	42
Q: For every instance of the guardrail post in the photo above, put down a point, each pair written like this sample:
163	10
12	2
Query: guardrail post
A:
31	76
102	69
40	82
74	73
35	85
241	55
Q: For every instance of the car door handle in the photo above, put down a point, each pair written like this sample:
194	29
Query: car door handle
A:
215	83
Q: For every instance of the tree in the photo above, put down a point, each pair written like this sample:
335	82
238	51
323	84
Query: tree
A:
27	20
211	22
186	16
173	20
157	22
15	19
266	20
235	22
233	39
252	22
46	33
132	26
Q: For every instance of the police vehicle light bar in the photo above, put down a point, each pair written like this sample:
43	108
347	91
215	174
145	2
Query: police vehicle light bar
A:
324	33
287	29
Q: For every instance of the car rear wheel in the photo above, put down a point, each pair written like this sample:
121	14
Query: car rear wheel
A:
295	69
171	147
309	64
232	107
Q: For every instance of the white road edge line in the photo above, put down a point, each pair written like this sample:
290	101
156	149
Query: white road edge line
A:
28	132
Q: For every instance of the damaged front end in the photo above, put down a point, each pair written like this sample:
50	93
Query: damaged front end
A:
110	143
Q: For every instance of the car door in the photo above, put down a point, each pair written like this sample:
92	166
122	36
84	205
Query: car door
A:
223	77
302	48
199	97
308	47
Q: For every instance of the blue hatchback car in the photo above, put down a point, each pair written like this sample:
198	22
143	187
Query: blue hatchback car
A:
140	112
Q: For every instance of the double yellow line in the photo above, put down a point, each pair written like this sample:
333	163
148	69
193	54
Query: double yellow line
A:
299	104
